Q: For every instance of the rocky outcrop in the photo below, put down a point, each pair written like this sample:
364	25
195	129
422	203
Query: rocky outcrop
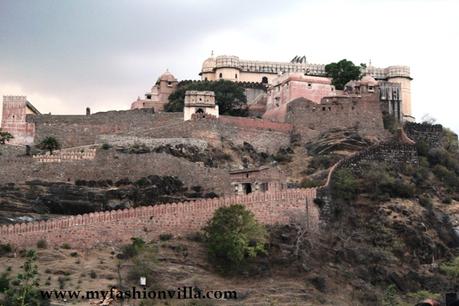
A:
41	197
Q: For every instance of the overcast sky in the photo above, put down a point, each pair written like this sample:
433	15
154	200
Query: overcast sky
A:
67	55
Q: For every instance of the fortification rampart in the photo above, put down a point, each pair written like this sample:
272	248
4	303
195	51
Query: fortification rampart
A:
73	154
394	153
429	134
76	130
114	227
253	123
311	119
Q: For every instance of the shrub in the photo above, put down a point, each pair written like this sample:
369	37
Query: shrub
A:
446	176
4	282
24	289
381	183
344	185
233	236
144	263
165	237
451	268
74	254
49	144
422	148
106	146
390	296
5	249
425	202
308	183
61	281
319	283
42	244
66	246
422	295
322	162
131	250
447	200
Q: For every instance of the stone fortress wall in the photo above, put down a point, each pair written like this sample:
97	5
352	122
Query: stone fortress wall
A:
429	134
114	227
73	154
311	119
113	166
397	152
80	130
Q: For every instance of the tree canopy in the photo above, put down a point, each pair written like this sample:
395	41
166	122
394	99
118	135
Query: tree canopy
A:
233	235
5	137
229	96
50	144
343	72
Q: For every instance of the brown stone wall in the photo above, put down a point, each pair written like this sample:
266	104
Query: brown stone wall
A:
310	119
109	165
79	130
115	227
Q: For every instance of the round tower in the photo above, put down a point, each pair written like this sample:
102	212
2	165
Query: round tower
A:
401	75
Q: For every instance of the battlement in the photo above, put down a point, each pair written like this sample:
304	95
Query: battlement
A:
89	230
67	155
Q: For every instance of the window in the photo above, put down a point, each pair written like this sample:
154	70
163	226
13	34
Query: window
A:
205	79
235	76
220	75
309	85
264	80
323	108
169	83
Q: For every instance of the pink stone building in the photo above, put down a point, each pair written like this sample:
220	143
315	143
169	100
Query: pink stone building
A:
291	86
159	93
15	110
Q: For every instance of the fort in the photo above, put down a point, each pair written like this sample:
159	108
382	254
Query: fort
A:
229	156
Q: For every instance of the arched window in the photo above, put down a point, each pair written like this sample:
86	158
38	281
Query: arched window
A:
199	111
220	75
264	80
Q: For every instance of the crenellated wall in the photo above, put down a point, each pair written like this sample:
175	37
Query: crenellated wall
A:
114	227
430	134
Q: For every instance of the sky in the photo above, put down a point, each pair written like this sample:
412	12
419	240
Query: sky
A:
69	55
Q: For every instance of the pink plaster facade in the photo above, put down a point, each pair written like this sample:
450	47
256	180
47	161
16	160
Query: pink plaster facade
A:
291	86
159	94
15	110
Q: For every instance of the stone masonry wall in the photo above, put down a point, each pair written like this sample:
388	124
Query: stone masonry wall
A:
73	131
80	130
267	138
310	119
427	133
115	227
110	165
392	153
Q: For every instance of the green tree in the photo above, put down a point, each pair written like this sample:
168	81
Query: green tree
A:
24	290
343	72
233	236
5	137
50	144
344	185
229	96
